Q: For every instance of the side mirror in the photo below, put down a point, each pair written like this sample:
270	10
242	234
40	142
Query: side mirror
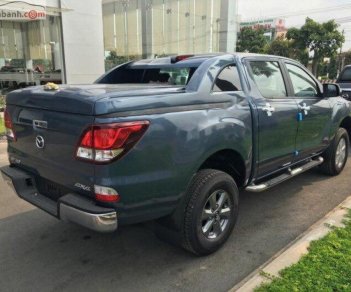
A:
331	90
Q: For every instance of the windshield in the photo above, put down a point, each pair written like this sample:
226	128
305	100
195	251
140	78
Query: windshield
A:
345	75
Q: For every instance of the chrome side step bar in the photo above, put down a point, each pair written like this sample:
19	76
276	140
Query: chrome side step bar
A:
285	176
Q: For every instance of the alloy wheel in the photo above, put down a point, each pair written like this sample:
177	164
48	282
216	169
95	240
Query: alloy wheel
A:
216	214
340	154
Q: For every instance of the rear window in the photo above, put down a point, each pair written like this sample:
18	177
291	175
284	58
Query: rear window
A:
173	76
345	75
163	75
227	80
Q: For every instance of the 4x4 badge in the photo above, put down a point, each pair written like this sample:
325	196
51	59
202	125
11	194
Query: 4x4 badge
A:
40	124
40	142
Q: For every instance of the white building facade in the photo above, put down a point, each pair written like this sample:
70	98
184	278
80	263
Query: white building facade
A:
69	41
52	40
150	28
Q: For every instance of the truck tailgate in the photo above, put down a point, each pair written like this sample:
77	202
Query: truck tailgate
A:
45	145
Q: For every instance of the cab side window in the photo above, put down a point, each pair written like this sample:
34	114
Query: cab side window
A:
268	78
303	84
228	80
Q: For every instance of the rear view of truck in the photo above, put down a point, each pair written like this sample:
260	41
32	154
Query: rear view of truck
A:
151	139
61	146
45	146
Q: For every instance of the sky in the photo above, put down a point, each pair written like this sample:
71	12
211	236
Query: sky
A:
295	12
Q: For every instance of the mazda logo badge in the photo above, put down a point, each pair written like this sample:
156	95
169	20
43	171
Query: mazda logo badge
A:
39	141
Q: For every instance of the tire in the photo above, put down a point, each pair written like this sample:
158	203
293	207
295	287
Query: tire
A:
335	156
210	212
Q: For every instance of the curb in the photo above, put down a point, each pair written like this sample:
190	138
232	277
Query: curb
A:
292	253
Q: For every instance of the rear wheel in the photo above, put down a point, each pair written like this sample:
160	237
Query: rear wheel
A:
336	155
210	213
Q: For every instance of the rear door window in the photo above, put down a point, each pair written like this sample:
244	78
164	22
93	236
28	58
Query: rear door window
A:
268	78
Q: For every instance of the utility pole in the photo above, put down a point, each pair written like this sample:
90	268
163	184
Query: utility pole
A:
125	4
194	24
178	25
211	29
341	58
163	29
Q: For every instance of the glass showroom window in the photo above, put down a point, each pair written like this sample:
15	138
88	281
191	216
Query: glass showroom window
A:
30	53
135	29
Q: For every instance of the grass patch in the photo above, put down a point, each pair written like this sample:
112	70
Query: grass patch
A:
2	126
326	267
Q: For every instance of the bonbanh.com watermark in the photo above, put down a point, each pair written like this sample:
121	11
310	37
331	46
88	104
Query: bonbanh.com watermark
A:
28	15
21	10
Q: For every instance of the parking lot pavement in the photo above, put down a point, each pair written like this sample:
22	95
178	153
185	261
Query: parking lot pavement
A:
38	252
9	205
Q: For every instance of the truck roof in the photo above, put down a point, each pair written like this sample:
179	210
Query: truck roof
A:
189	60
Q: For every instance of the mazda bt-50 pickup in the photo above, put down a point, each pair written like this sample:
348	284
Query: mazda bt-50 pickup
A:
173	139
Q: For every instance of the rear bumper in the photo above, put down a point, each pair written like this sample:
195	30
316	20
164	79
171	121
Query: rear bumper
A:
103	222
70	207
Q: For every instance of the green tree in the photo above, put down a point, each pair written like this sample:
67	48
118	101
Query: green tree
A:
286	48
333	68
252	41
347	60
113	59
320	39
279	47
329	69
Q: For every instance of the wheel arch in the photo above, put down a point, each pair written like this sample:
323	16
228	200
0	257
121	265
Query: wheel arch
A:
228	161
346	124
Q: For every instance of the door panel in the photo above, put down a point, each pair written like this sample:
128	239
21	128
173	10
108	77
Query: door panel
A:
313	130
277	134
314	125
277	117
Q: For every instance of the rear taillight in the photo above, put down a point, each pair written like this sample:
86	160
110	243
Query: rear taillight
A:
9	126
105	194
106	142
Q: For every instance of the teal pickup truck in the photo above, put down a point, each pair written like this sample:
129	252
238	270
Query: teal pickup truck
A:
173	140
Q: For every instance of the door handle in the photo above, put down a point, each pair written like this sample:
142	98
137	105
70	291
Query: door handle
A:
304	108
268	109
